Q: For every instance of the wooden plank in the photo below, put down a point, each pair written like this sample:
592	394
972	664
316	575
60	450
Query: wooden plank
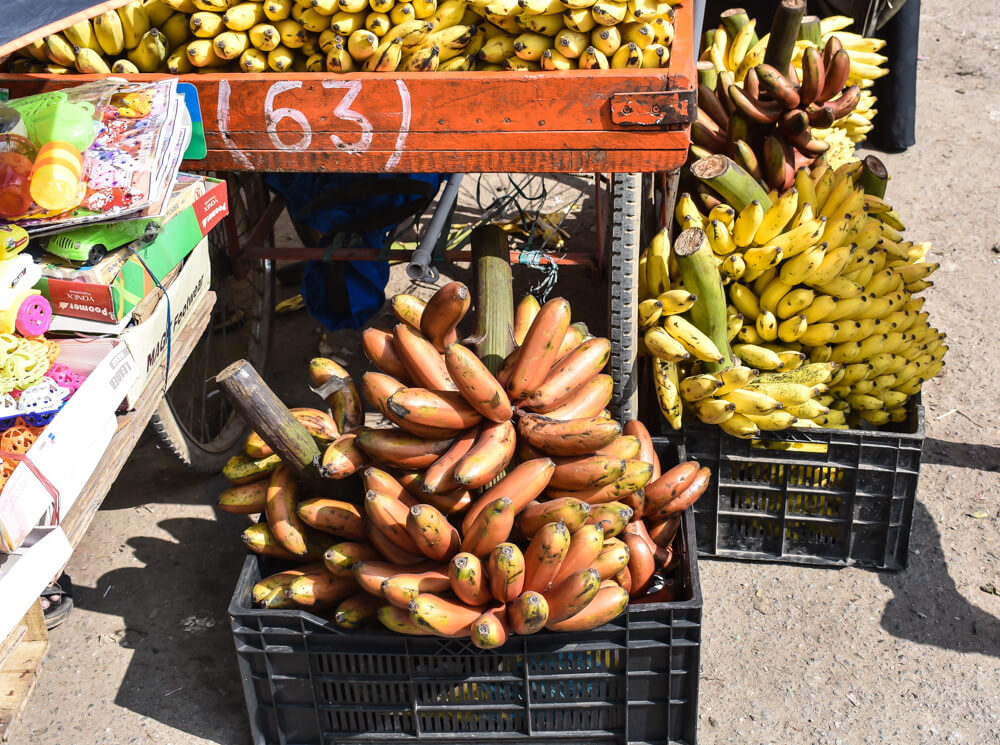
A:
9	644
455	161
441	122
131	425
19	674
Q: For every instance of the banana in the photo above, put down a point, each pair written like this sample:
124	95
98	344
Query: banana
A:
578	19
433	535
569	438
767	326
530	46
488	457
497	49
506	571
692	339
248	499
59	50
747	223
90	62
81	34
713	410
280	506
676	301
609	13
720	238
572	594
541	345
333	516
125	67
757	356
745	301
628	56
184	6
697	387
467	577
231	44
205	25
777	217
665	379
261	540
340	558
649	312
528	613
546	25
585	472
425	364
399	620
569	511
449	13
751	401
264	36
443	312
356	610
491	527
278	10
589	401
490	630
342	458
442	617
399	448
293	36
201	53
570	374
608	40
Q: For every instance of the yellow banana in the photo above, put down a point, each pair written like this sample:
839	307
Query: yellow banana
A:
767	326
135	25
698	387
578	19
746	224
676	301
90	62
253	60
553	60
606	39
692	338
571	44
277	10
150	53
59	50
593	59
280	58
231	44
800	268
776	217
713	410
608	13
81	34
749	401
667	392
757	356
664	346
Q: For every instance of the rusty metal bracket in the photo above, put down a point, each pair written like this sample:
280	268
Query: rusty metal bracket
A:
654	109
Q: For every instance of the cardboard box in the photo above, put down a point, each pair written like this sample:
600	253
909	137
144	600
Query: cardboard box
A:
147	341
28	571
74	441
111	302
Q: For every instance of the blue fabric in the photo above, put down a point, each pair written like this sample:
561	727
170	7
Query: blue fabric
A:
365	280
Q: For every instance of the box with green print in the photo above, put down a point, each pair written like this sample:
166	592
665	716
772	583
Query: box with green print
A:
112	301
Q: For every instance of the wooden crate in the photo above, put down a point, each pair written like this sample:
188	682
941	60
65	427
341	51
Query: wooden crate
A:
452	122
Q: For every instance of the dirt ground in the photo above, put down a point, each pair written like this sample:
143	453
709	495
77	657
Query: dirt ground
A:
791	655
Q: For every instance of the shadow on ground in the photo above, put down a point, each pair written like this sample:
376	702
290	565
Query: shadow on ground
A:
183	670
927	607
945	453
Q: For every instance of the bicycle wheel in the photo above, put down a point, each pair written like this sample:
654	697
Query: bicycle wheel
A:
624	226
194	421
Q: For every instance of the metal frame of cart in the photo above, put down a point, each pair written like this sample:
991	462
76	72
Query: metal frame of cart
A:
616	124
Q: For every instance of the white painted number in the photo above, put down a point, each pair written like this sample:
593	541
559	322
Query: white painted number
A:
272	116
343	111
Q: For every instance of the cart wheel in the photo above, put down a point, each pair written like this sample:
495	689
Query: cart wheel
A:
194	421
623	288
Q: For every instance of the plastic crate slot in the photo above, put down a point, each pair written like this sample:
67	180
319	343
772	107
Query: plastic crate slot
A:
489	719
468	694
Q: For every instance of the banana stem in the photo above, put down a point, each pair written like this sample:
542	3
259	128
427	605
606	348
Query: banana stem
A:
706	39
784	33
253	400
494	295
708	76
732	183
811	30
735	19
874	176
701	277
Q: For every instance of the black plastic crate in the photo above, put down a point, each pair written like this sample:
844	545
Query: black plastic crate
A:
633	681
847	500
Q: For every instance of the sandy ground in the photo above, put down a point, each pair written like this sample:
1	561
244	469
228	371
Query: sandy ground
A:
790	655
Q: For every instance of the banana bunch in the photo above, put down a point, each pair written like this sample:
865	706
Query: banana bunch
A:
493	505
733	50
184	36
135	38
767	124
820	297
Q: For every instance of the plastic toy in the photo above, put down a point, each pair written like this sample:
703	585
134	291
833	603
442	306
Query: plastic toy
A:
92	243
22	308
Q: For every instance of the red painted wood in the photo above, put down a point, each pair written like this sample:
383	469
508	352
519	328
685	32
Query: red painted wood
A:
304	253
442	122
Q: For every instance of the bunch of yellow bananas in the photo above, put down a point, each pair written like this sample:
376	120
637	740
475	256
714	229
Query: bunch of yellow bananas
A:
183	36
737	55
821	289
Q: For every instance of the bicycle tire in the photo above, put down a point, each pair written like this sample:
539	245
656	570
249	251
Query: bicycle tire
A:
193	422
623	291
